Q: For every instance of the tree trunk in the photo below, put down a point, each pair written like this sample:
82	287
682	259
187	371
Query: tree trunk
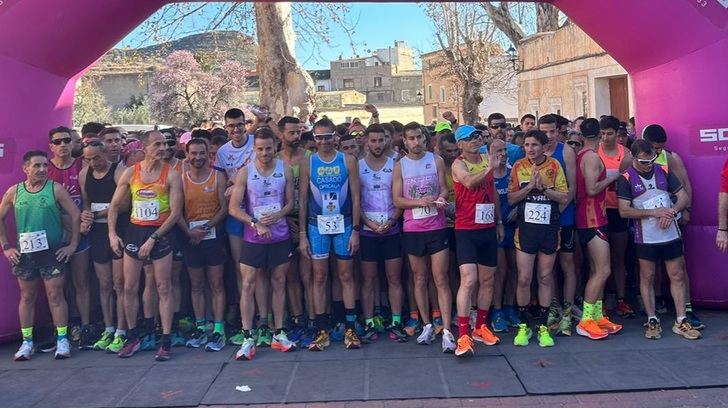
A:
472	98
547	17
283	83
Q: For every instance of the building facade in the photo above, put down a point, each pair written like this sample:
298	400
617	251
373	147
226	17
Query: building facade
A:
566	72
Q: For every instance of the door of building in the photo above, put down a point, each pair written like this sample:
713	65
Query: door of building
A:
619	97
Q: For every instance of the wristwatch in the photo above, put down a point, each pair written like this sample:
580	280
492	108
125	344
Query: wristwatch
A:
155	236
356	228
7	246
253	221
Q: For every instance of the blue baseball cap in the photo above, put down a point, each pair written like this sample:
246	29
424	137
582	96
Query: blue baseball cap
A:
465	131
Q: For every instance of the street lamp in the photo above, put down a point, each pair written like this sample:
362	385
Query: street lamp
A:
512	55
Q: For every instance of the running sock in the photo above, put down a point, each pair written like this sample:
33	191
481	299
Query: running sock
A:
270	317
567	307
653	317
396	319
688	307
166	340
480	317
598	310
377	310
543	313
201	324
219	327
147	325
109	329
262	322
350	318
120	332
358	307
463	325
680	319
588	311
62	332
175	321
27	333
321	322
415	315
523	315
436	313
339	311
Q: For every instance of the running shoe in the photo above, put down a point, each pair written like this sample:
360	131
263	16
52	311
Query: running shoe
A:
321	341
653	330
84	341
485	336
148	343
590	329
544	337
164	353
351	340
378	324
498	321
694	321
511	316
281	343
606	324
308	337
369	334
24	352
397	334
564	328
63	349
464	347
130	348
554	316
438	325
296	333
247	350
198	338
238	339
177	339
412	327
427	336
523	336
186	324
448	342
624	310
264	337
116	345
337	334
47	347
685	330
104	341
216	343
74	332
660	305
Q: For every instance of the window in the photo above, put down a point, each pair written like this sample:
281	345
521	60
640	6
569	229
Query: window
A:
429	92
405	95
380	96
320	88
434	111
349	64
377	82
442	94
348	84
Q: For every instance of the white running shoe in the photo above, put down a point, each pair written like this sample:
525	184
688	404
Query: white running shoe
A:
427	336
448	342
25	351
63	349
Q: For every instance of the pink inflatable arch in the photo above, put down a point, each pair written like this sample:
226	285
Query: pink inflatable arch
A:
676	52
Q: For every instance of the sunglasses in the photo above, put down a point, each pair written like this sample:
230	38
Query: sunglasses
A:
357	133
498	126
646	162
171	143
324	136
574	143
473	136
236	126
65	140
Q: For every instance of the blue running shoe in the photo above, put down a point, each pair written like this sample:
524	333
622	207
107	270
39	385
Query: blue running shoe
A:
511	316
149	342
309	335
338	333
412	327
498	321
296	333
178	340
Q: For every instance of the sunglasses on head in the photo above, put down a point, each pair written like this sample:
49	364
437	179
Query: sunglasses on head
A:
647	161
66	140
574	143
324	136
499	126
357	133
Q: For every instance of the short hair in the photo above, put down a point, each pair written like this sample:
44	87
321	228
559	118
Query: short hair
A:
144	137
654	134
264	133
374	128
527	116
641	146
609	122
234	113
413	126
219	132
517	135
307	136
201	134
33	153
589	128
495	116
92	127
325	122
197	141
447	137
481	127
539	135
286	120
341	129
218	140
398	126
58	129
108	131
560	120
388	127
579	118
548	119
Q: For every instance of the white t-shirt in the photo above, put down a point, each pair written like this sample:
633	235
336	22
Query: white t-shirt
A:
231	158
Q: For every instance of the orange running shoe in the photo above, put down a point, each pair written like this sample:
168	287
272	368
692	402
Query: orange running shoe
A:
465	346
611	328
484	335
590	329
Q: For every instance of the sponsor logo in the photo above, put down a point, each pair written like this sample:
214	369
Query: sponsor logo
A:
428	165
386	170
146	193
208	190
713	135
708	140
132	248
278	175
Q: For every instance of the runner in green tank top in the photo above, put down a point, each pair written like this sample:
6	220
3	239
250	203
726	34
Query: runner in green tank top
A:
38	250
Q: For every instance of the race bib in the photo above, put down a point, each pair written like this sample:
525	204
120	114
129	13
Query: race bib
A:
419	213
484	213
211	233
330	203
380	217
96	207
263	210
537	213
32	241
330	224
146	210
660	201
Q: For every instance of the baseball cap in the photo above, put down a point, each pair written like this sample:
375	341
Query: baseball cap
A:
465	131
186	137
443	126
590	128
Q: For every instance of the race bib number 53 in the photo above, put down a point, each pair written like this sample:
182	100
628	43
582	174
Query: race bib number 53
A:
32	241
537	213
330	224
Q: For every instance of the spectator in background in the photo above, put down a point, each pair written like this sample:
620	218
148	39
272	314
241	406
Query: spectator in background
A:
528	121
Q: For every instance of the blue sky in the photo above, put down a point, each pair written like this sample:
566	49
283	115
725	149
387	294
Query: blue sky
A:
378	25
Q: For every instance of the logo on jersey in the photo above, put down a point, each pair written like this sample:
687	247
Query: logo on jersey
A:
132	248
386	170
278	175
208	189
144	193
